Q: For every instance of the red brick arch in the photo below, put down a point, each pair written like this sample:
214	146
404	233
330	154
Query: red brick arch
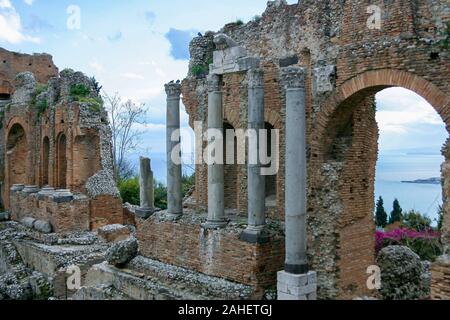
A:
385	78
355	191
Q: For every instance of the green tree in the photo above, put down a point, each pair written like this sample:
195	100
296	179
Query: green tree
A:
416	221
440	219
397	213
129	190
381	216
160	195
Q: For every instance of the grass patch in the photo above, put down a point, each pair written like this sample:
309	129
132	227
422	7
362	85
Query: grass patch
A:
78	91
94	104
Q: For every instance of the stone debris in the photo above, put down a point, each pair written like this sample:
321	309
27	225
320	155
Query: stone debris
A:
114	233
122	252
401	274
4	216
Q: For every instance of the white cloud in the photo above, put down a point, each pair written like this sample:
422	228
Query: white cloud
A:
5	4
133	76
400	109
11	25
96	66
29	2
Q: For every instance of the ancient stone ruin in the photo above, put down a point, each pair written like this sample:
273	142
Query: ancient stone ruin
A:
308	70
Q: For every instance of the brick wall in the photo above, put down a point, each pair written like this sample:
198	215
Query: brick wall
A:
105	210
213	252
64	217
342	132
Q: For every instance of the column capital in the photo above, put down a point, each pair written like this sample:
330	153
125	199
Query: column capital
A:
255	78
213	81
173	90
293	77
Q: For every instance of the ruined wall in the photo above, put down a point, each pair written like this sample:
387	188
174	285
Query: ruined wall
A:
347	64
12	63
217	253
58	135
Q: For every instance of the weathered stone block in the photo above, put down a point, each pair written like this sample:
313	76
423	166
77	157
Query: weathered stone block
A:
114	233
43	226
122	252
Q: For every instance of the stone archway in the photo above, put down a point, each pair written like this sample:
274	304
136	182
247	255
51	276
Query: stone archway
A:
45	154
343	159
61	161
17	150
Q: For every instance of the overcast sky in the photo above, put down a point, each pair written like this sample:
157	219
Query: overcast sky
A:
133	47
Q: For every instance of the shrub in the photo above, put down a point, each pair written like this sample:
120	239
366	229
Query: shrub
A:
129	191
239	22
426	244
199	70
160	195
414	220
187	183
78	91
95	104
41	106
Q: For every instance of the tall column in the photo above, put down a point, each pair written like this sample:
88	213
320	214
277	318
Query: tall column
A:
173	140
216	202
256	181
147	197
296	282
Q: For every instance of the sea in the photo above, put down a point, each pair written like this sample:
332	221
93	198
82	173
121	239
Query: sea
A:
395	167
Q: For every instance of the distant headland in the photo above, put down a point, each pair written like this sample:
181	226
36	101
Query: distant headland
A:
425	181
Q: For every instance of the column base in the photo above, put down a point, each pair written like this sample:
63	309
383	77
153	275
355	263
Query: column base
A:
173	216
144	213
297	287
255	235
213	225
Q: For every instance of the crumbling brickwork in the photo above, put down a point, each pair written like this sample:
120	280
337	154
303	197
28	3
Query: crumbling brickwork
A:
217	253
55	132
347	64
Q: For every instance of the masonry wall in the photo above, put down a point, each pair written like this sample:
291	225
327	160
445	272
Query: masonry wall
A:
56	138
71	216
217	253
342	131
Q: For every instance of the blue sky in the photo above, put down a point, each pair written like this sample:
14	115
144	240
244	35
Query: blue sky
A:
133	47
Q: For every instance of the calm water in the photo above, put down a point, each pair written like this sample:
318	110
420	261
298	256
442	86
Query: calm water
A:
394	168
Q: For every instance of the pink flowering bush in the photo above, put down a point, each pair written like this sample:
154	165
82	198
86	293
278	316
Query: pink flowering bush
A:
425	244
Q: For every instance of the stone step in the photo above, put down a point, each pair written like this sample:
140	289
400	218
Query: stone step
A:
146	279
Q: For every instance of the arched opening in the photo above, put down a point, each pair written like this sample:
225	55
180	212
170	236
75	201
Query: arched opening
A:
17	150
271	181
45	161
230	170
346	163
86	159
61	161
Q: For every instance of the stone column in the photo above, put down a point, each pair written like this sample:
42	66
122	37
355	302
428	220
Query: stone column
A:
173	140
296	282
256	181
216	202
147	207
